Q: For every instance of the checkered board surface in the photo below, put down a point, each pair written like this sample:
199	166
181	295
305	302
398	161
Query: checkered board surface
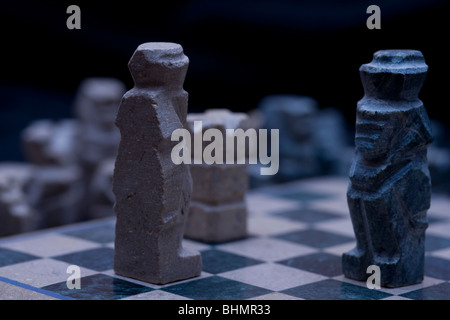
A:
297	234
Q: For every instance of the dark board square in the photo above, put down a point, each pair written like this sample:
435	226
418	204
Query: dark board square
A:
433	242
100	234
321	263
99	287
335	290
303	196
436	267
315	238
216	288
217	261
9	257
437	292
306	215
98	259
433	219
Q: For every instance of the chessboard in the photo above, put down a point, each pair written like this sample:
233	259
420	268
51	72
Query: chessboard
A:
297	232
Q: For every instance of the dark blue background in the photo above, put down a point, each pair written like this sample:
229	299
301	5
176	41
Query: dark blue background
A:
239	51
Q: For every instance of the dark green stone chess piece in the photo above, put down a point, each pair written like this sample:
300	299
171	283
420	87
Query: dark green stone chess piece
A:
390	188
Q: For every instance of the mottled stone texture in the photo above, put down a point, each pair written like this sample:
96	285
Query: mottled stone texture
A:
294	116
72	158
101	190
50	143
54	189
55	193
152	193
390	189
95	107
218	212
16	213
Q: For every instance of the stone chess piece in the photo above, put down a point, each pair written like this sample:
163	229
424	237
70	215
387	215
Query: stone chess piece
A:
295	117
16	213
152	193
218	211
390	188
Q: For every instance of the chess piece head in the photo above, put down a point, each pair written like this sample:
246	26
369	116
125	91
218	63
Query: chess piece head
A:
98	99
159	64
394	75
390	118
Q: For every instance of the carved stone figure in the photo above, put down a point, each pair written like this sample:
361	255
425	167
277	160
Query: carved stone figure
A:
390	188
152	193
218	211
